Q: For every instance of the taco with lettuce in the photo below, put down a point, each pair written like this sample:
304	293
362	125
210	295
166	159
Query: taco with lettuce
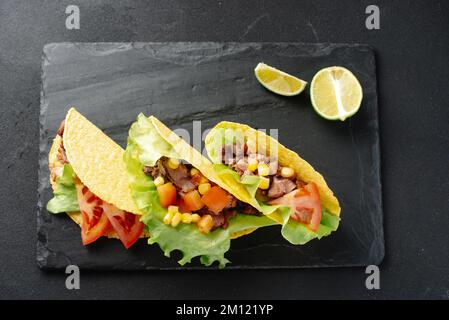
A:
274	181
186	206
89	182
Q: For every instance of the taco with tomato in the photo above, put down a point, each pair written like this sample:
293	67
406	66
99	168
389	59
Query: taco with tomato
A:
186	206
90	184
274	181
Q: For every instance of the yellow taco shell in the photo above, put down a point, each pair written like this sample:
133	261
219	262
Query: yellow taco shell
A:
96	160
260	142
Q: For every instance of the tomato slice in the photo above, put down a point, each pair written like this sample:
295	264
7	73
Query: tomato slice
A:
306	205
126	224
99	216
95	222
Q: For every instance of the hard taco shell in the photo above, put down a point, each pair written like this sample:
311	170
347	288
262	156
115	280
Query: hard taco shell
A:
260	142
96	160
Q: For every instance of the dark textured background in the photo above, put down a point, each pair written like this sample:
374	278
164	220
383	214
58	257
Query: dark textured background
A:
180	82
413	68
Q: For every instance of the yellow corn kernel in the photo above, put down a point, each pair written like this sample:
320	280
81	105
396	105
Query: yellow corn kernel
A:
173	209
264	183
205	224
252	164
203	188
287	172
203	179
168	217
263	169
186	218
194	171
196	217
173	163
159	181
176	219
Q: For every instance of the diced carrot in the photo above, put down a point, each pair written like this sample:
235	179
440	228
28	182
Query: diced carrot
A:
216	199
192	201
167	194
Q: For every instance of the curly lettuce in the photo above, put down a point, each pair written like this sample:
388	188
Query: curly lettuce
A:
64	194
145	146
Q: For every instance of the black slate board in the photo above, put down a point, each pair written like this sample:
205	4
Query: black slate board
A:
110	83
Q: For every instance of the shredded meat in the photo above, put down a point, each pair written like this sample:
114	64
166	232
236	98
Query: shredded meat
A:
245	208
222	220
241	166
61	128
180	177
62	157
219	221
280	186
151	171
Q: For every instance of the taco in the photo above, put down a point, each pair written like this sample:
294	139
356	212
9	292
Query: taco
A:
274	180
185	204
89	182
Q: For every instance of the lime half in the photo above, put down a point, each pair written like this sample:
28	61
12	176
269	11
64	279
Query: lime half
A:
335	93
278	81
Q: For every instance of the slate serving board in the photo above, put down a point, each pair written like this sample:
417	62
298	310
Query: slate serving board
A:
111	83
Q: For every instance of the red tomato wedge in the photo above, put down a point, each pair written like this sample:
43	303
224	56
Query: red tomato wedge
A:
216	199
306	205
99	216
126	224
167	194
95	222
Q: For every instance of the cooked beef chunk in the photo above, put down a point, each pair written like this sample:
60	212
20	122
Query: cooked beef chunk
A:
232	202
204	210
180	177
62	157
245	208
219	221
280	186
227	154
151	171
273	165
222	220
61	128
241	165
232	153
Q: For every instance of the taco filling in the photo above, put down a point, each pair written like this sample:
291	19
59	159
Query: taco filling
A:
182	188
279	185
99	218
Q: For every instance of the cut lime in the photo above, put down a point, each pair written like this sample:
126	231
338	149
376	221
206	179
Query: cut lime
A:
335	93
278	81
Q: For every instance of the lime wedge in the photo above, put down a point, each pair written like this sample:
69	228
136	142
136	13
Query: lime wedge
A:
335	93
278	81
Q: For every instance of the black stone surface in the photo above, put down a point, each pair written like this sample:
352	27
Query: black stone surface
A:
207	82
412	68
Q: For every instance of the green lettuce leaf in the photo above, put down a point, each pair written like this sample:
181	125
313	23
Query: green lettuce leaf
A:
64	196
292	231
145	150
